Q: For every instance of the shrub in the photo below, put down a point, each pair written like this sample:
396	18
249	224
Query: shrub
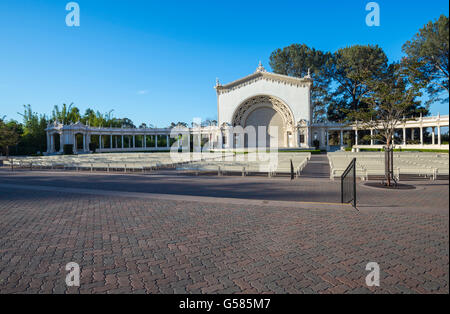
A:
92	147
68	149
316	144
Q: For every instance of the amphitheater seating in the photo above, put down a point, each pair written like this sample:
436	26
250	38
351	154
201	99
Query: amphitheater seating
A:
252	164
221	163
429	165
106	162
368	164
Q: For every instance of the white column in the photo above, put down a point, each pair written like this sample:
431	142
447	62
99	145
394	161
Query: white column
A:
421	136
439	134
88	141
100	141
48	143
309	138
145	141
328	139
342	137
167	141
433	135
323	139
306	142
412	134
52	144
61	143
110	142
115	140
156	141
404	136
356	137
75	144
371	137
122	140
134	141
84	142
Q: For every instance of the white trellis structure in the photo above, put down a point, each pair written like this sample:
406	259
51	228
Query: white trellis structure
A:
112	139
322	131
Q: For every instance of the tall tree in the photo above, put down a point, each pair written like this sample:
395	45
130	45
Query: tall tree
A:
9	135
388	101
297	60
427	58
178	124
34	137
209	122
67	114
350	68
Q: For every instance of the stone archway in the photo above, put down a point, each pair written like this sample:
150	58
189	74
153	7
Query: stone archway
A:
57	142
78	142
266	111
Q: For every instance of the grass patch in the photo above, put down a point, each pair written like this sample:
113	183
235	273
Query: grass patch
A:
418	150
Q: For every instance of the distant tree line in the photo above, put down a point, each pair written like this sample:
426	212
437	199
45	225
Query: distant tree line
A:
346	81
29	136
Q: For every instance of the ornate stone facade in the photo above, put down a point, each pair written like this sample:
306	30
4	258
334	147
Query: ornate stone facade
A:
287	96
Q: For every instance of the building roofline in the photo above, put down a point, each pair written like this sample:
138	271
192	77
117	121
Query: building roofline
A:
307	80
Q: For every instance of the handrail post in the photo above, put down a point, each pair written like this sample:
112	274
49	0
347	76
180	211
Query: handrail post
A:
354	182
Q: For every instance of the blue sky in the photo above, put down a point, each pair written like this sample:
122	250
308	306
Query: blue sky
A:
157	61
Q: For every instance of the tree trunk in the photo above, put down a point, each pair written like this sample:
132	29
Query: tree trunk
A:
387	162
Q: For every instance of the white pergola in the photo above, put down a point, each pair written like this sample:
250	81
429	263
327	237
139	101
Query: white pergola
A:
321	131
68	135
224	137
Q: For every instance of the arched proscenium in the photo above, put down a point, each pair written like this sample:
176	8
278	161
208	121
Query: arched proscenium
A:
247	107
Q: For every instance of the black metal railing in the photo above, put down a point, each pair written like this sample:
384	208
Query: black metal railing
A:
348	184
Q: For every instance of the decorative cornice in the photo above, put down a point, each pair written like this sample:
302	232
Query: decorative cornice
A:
261	74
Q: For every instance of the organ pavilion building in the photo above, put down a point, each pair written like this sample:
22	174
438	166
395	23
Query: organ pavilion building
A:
277	107
268	100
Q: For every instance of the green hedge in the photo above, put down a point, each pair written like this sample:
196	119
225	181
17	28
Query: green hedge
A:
423	150
405	150
92	147
419	150
312	151
68	149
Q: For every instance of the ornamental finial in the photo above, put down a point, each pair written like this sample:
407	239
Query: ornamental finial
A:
260	67
309	73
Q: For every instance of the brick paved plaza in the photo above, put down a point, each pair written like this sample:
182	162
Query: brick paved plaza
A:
128	240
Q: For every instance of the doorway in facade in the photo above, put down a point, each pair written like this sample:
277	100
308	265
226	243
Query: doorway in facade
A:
57	142
79	142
